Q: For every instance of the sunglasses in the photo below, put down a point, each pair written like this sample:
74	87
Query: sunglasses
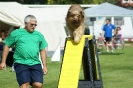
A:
33	25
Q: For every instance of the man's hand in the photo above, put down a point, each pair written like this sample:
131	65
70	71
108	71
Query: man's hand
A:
45	70
103	37
3	66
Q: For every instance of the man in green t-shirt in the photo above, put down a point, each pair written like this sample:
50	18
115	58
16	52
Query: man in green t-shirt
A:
28	43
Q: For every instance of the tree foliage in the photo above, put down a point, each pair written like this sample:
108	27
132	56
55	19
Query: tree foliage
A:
62	1
29	1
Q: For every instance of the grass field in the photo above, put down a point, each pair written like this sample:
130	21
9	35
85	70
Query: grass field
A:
116	68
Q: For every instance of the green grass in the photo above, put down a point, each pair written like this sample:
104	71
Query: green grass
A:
116	68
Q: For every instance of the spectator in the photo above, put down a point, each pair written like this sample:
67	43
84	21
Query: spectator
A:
107	34
118	35
3	35
87	30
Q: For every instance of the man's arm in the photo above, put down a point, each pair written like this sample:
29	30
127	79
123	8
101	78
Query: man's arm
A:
103	32
44	60
114	30
4	56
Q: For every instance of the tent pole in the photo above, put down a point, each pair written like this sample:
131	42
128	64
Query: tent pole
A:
93	26
112	20
132	21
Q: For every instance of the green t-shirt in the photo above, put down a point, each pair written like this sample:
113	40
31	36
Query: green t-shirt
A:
27	46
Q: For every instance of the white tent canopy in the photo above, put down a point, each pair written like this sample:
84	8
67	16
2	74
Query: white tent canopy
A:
59	13
12	14
107	9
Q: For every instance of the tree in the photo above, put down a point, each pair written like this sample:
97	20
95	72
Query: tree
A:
98	1
35	1
62	1
70	2
110	1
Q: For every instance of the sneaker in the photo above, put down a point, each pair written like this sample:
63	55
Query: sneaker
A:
107	51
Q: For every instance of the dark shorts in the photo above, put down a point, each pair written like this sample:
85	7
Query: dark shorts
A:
31	74
108	39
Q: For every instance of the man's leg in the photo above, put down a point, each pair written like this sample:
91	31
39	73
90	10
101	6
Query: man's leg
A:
111	45
25	85
22	75
107	46
37	85
37	76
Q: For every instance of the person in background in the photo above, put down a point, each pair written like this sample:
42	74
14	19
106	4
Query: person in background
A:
3	35
107	34
29	43
119	34
87	30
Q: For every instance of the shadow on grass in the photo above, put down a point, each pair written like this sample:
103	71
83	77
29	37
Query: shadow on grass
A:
114	53
119	67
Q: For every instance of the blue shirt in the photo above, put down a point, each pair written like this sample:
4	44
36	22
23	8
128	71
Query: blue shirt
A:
108	30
